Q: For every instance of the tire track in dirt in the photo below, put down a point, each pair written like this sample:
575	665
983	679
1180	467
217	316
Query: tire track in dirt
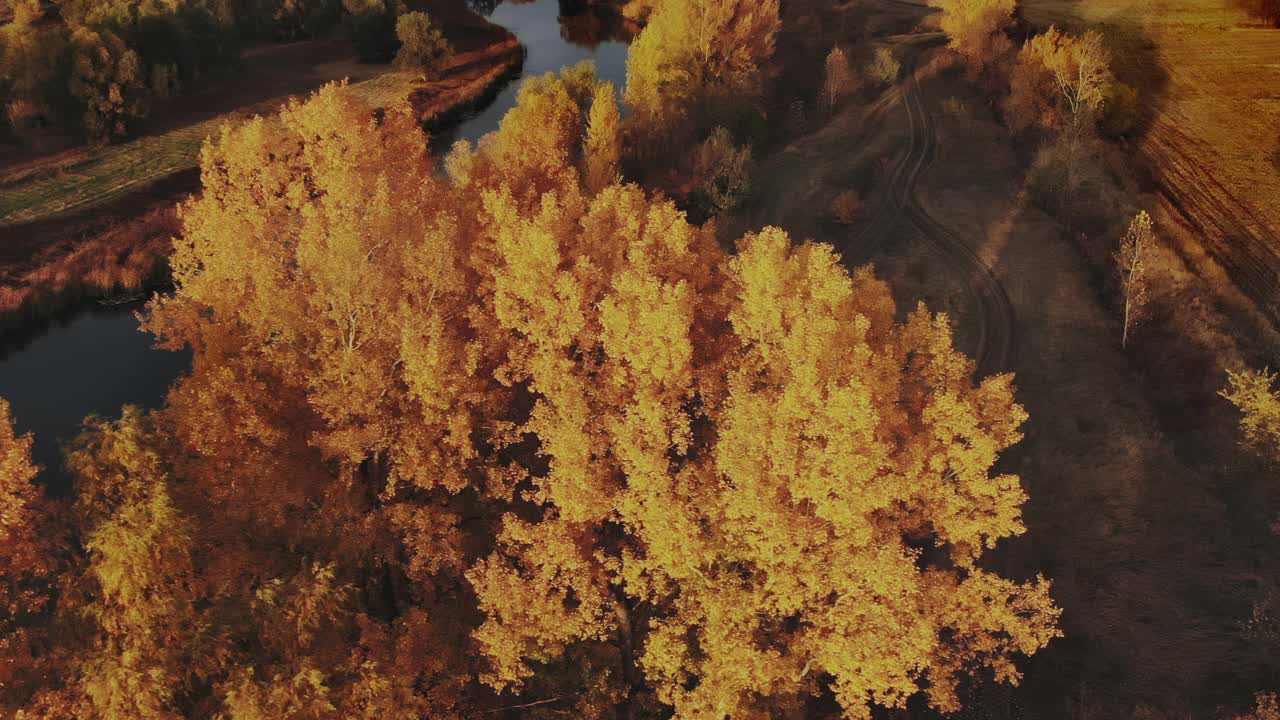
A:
996	320
997	323
1232	233
901	182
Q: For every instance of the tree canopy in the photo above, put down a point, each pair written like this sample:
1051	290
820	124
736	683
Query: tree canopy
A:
526	428
698	56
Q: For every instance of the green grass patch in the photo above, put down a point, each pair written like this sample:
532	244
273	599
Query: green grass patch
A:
112	171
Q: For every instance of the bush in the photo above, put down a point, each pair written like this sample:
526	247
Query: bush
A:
723	172
885	67
372	26
422	46
846	207
1120	111
1047	180
107	79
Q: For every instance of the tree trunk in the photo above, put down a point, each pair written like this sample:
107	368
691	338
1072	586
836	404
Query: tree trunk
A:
626	646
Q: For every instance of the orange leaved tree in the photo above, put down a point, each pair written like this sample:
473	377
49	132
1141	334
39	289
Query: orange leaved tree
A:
520	427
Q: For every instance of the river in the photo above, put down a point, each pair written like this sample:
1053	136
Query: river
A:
96	360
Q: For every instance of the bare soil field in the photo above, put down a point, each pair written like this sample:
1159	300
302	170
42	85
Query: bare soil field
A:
1151	521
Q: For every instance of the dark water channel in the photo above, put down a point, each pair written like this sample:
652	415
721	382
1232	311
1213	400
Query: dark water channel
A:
96	360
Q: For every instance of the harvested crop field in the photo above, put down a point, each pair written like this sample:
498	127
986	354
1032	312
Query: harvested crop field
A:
1211	80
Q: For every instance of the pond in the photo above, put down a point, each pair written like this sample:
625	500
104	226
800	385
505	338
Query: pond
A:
90	363
98	359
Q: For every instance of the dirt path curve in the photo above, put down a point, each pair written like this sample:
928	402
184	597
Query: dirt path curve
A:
997	323
996	320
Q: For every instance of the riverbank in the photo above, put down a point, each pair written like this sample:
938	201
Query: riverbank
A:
468	81
74	233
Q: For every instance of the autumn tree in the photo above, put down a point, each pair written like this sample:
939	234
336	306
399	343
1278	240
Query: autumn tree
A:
721	172
32	71
838	80
107	79
1266	707
695	494
976	28
26	565
602	152
1060	81
136	588
1059	85
503	425
422	45
1253	394
884	68
373	27
322	286
699	57
1133	270
846	207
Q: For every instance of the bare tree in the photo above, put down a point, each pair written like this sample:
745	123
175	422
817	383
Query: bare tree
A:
1060	83
1132	267
839	80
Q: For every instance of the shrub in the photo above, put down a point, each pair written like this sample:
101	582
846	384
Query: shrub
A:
1047	179
422	46
1120	111
885	67
846	207
723	172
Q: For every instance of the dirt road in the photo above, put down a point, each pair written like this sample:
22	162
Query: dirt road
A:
996	322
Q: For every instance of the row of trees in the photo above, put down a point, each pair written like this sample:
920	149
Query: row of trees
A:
519	432
1062	94
94	70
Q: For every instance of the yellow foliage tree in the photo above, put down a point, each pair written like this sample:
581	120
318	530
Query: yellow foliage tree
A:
1059	82
976	28
1133	270
25	562
1251	391
700	53
137	585
603	151
745	471
663	474
322	284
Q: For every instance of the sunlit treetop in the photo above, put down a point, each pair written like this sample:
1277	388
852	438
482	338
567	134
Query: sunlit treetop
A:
526	424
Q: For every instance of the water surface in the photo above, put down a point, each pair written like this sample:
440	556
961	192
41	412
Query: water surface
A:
89	364
551	42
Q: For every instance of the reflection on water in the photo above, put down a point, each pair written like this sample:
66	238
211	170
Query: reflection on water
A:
548	48
98	359
92	363
589	29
